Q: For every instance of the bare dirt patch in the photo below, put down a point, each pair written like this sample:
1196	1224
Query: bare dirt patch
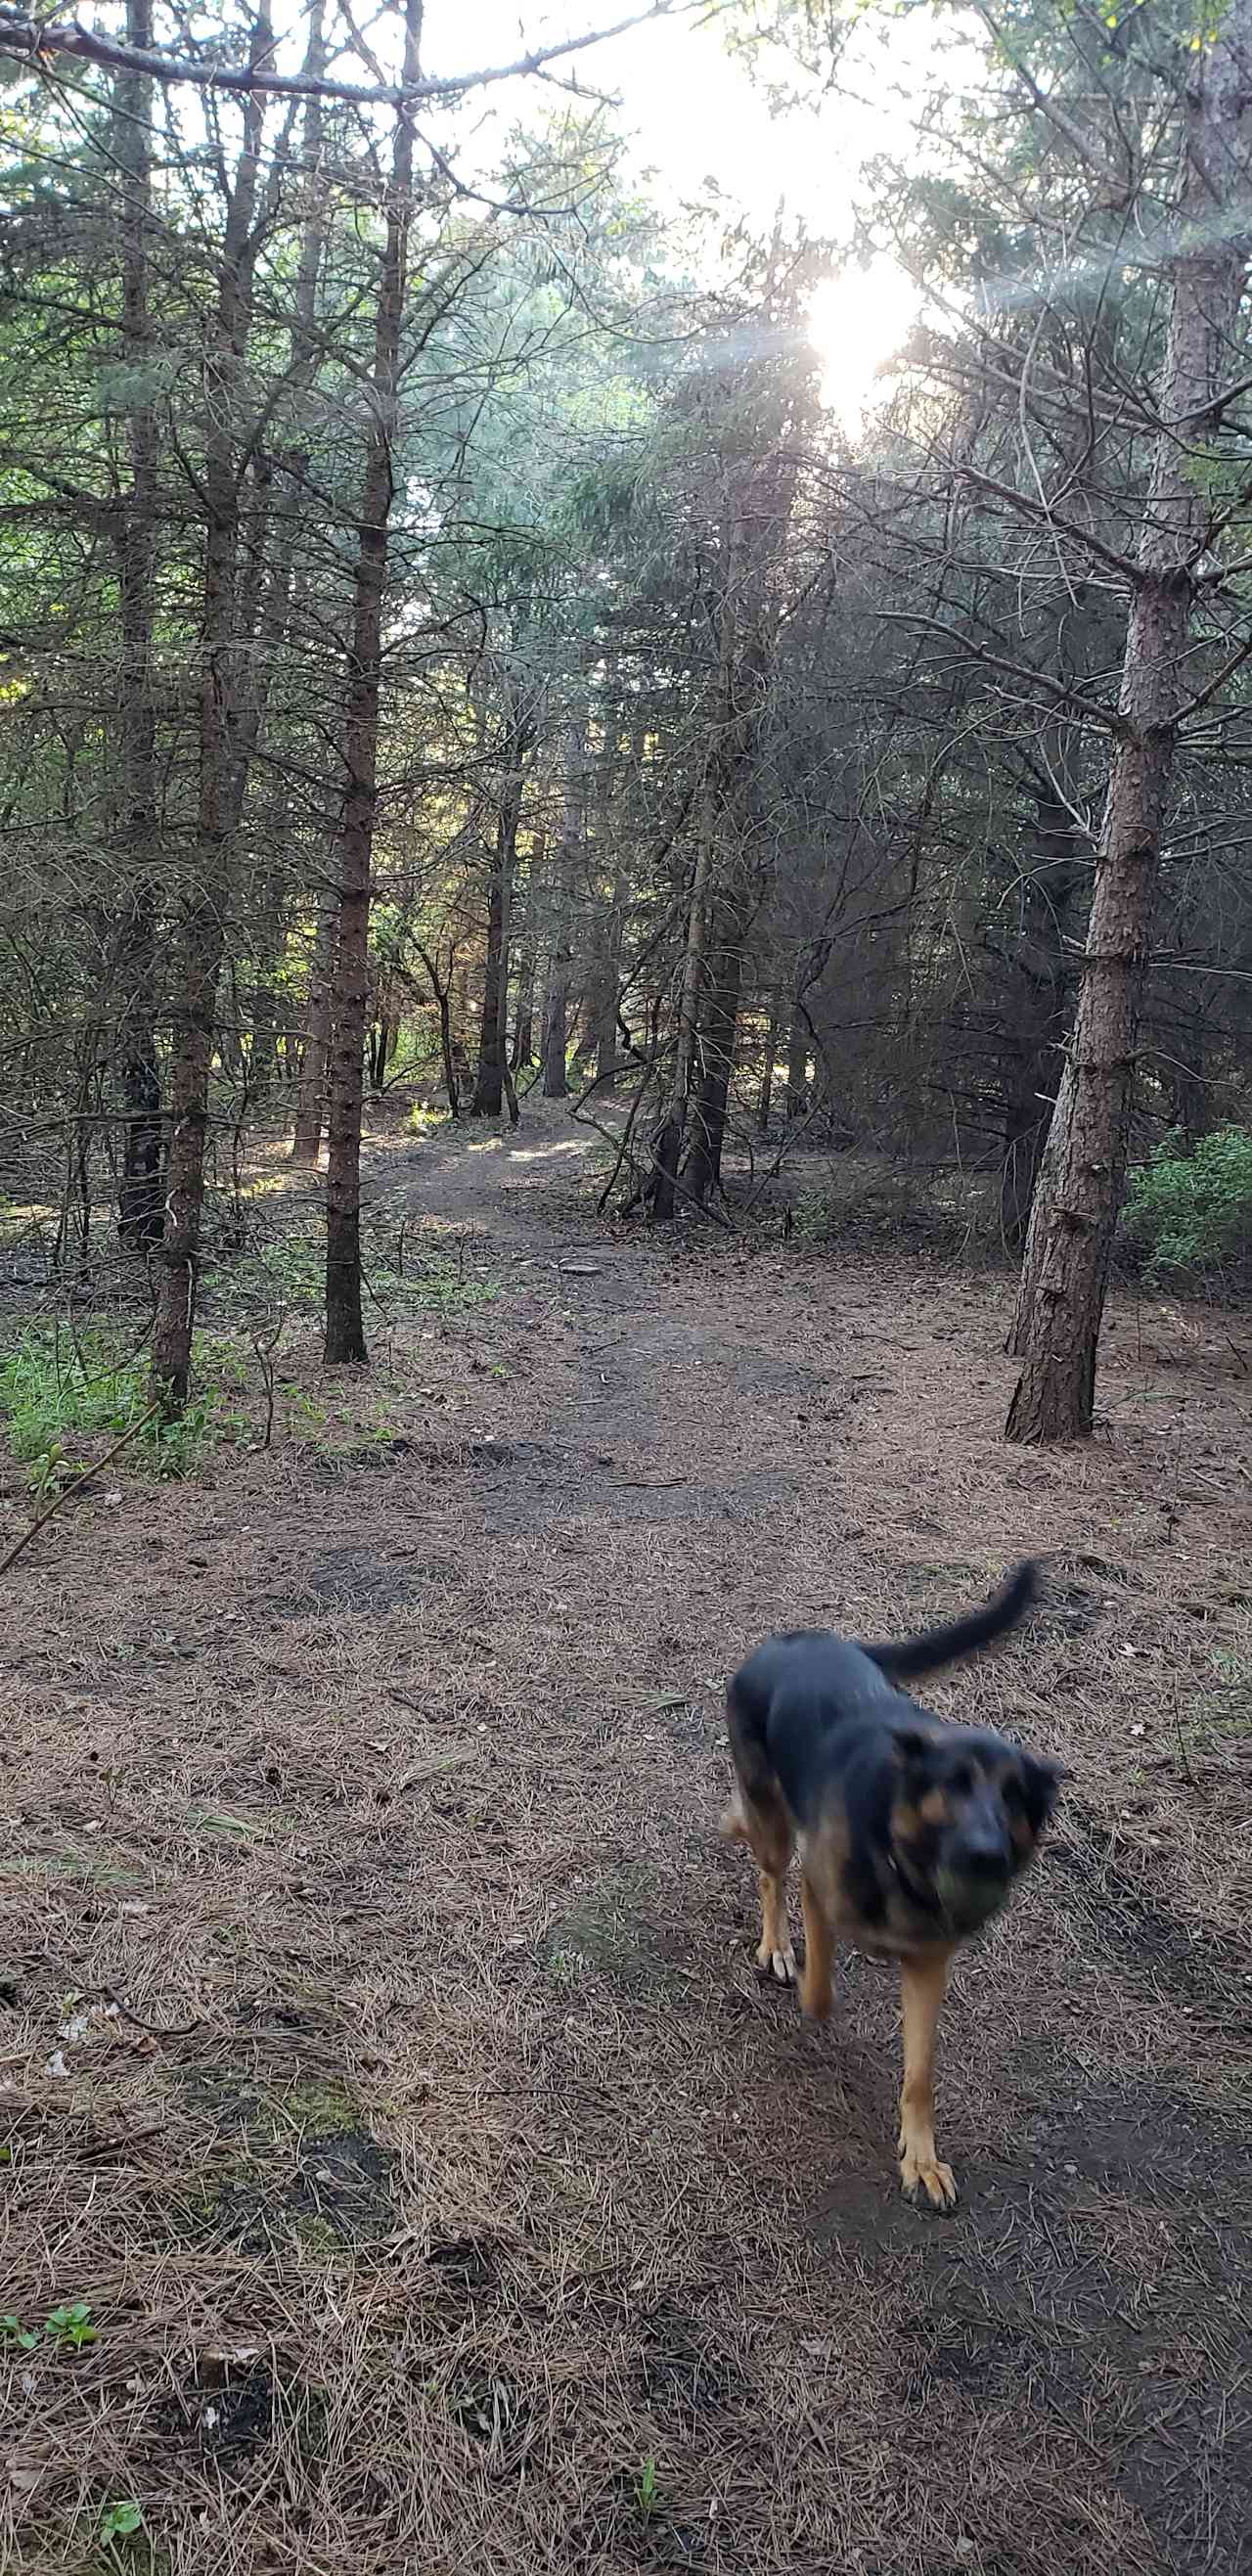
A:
381	2058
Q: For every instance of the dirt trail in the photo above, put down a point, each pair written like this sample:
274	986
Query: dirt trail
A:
446	2189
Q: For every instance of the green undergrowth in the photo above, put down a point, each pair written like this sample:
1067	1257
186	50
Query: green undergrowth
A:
1189	1213
60	1392
65	1396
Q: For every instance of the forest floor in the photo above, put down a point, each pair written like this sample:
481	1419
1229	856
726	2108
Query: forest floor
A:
403	2166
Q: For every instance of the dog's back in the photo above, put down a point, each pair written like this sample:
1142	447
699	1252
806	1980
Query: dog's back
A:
801	1706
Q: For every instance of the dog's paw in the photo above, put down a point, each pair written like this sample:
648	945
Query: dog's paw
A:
779	1964
926	2174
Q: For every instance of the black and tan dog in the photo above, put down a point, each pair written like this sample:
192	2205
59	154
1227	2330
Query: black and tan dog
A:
911	1831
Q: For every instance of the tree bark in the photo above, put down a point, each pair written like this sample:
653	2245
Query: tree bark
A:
765	1096
441	987
490	1085
1069	1248
561	959
796	1096
345	1328
306	1144
718	1023
607	1039
667	1150
203	934
1035	1010
522	1050
141	1197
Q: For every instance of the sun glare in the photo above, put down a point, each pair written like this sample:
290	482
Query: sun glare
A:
859	321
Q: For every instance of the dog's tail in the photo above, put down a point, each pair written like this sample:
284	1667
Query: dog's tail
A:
916	1655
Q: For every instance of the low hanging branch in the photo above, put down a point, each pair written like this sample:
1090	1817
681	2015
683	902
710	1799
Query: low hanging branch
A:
36	40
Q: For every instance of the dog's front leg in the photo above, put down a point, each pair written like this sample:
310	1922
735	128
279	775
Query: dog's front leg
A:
818	1952
775	1954
923	1984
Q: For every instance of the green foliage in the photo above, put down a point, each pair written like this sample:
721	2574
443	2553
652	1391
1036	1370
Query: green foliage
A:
71	2326
1193	1212
120	2521
13	2331
97	1386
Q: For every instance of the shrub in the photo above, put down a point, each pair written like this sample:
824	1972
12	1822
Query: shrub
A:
1193	1212
54	1392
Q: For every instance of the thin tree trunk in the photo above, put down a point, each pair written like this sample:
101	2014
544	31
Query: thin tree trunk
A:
488	1097
765	1096
345	1328
141	1198
703	1171
1065	1273
668	1147
203	933
1035	1009
311	1087
522	1051
1191	1108
489	1087
608	1050
441	987
556	1022
797	1091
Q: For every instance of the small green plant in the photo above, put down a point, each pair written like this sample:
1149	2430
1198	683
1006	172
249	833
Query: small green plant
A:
71	2326
13	2331
1192	1212
646	2492
97	1386
119	2521
52	1469
569	1968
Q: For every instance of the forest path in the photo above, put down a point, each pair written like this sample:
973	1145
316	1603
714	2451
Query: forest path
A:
383	2054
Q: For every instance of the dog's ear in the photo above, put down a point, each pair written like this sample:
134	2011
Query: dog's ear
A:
1043	1779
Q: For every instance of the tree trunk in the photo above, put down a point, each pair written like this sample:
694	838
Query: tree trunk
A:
522	1051
311	1087
489	1087
608	1048
667	1149
1035	1011
1190	1102
796	1096
488	1097
556	1024
765	1097
345	1328
275	619
1065	1274
271	940
719	1018
141	1197
203	934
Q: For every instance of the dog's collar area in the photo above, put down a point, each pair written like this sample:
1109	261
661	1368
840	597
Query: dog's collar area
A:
924	1898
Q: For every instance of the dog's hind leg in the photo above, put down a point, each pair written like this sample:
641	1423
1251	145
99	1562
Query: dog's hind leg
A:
923	1984
762	1823
759	1818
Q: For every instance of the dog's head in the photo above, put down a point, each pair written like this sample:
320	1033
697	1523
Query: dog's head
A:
967	1812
